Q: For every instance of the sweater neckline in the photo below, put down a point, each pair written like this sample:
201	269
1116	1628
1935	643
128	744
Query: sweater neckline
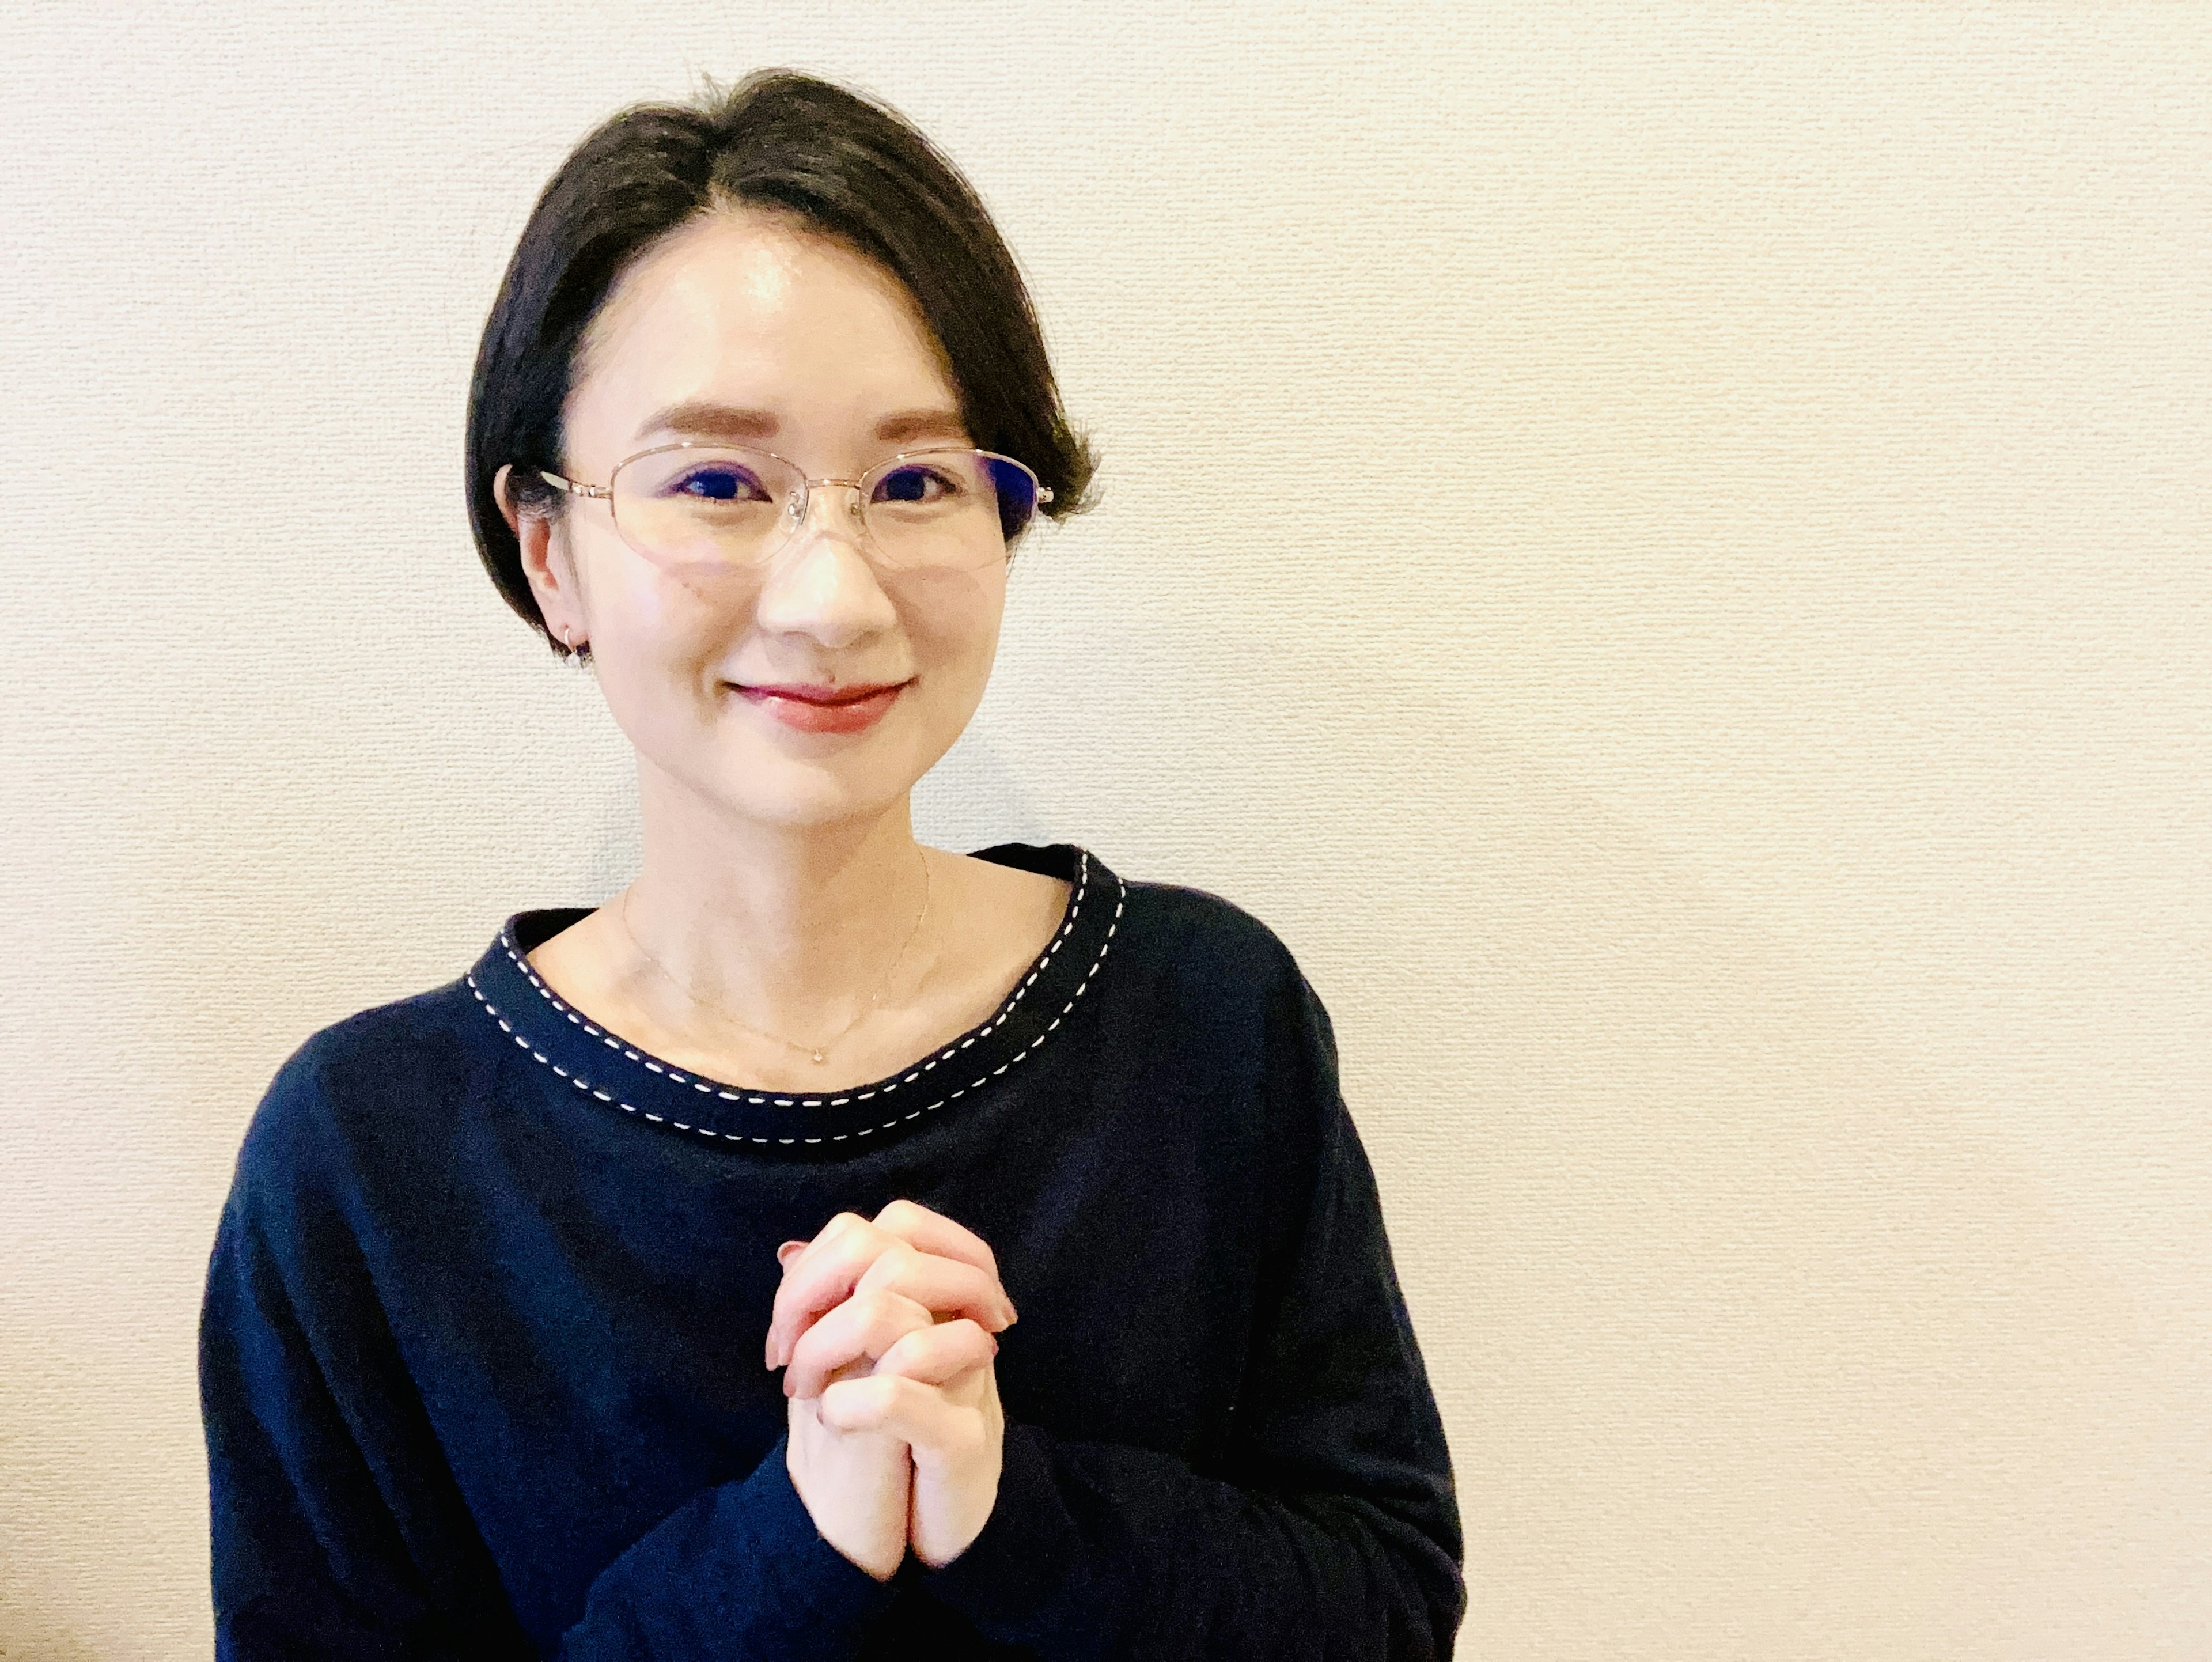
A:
623	1078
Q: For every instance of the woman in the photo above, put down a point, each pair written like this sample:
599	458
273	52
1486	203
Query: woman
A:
509	1270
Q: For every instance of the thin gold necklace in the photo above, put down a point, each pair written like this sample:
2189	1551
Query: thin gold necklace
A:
819	1052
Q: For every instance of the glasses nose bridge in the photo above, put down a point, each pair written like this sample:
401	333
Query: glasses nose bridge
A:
802	503
850	527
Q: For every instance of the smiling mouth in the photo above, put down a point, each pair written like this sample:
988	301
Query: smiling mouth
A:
823	710
825	697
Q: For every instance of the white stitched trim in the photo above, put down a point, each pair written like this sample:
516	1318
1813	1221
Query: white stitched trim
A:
584	1085
1067	929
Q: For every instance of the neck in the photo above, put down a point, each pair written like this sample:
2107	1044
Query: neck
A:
786	927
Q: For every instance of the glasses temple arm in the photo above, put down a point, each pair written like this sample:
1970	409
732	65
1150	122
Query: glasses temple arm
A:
572	487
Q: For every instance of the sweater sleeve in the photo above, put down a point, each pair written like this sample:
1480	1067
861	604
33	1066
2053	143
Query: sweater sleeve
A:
336	1529
1330	1529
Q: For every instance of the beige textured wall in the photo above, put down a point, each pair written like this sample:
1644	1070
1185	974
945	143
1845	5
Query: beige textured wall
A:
1664	548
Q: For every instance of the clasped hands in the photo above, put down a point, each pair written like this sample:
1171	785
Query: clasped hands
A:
884	1328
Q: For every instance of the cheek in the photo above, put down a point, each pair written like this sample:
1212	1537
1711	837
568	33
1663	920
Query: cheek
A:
662	635
665	617
954	632
957	610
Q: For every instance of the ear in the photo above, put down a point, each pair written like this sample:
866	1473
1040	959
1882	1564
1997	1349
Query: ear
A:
546	562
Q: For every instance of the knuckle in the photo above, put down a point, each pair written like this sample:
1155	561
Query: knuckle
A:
871	1306
900	1359
885	1312
858	1254
893	1263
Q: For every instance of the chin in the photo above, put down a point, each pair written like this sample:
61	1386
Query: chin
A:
795	792
798	780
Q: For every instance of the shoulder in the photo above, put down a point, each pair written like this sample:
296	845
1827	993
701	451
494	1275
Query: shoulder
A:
1151	938
360	1090
1198	937
1212	978
1222	1002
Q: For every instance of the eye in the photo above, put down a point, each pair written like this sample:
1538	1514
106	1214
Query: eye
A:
917	482
718	482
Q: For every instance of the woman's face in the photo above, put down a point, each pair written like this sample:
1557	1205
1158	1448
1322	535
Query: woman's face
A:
742	327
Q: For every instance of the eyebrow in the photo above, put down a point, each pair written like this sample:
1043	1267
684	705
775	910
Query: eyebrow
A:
701	419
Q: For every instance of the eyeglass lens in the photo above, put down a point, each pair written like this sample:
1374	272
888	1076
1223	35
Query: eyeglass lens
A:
957	508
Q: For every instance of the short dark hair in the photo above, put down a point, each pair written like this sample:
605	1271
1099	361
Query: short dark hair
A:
850	168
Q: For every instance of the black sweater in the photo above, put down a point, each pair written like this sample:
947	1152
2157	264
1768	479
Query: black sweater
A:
480	1351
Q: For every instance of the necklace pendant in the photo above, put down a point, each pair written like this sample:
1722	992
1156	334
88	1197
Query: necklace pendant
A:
820	1056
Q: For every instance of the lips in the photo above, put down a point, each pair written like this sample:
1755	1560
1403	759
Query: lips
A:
850	694
814	709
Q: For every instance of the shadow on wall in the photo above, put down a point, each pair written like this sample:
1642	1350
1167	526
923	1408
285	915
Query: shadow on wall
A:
972	799
1749	1313
618	844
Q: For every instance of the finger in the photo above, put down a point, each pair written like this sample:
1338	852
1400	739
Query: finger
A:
946	1286
820	1277
914	1413
862	1328
932	1232
938	1353
851	1253
773	1344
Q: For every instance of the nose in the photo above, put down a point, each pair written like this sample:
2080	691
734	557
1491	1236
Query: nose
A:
820	583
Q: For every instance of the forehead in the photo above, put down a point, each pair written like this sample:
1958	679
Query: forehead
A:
750	309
